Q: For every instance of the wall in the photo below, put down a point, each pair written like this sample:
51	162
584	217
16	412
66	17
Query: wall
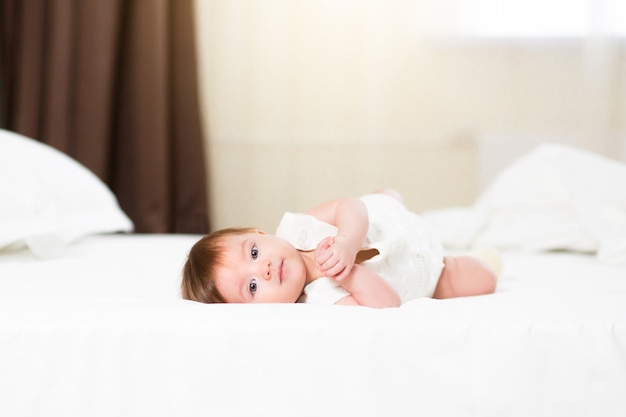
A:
307	100
255	183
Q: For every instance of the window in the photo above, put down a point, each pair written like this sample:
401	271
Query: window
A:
541	18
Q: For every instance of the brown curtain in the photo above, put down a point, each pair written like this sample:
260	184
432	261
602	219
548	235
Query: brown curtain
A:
112	83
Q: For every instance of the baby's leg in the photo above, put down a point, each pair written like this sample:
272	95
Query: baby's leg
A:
463	276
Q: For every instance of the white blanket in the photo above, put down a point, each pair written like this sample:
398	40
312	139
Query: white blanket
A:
100	330
554	198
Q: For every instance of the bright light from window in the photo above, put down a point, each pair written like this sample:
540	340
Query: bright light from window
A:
542	18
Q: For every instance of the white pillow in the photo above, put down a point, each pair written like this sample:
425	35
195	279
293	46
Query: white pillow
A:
554	198
49	200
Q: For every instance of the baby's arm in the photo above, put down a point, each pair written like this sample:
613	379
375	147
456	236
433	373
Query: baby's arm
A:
367	288
336	255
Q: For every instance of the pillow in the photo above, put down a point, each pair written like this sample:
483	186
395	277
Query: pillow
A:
554	198
50	200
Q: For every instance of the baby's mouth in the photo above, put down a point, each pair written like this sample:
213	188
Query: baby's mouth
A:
281	271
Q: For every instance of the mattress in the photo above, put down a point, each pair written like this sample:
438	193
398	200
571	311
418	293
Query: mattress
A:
100	330
92	322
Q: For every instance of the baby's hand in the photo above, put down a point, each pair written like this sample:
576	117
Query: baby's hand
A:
335	256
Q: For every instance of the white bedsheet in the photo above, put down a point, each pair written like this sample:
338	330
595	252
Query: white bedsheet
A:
101	331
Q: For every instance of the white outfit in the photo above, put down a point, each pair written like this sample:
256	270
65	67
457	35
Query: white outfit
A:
410	259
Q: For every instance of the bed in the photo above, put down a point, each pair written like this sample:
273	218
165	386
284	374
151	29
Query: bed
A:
92	323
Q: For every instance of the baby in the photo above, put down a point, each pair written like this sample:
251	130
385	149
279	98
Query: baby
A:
369	251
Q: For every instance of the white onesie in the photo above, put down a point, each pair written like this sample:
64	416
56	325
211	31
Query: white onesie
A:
409	257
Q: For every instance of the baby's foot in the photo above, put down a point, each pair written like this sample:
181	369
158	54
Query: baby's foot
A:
489	257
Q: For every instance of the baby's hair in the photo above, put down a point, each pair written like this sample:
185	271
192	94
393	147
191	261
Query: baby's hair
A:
205	256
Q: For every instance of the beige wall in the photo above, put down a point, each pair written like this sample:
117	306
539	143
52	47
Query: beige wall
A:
306	100
253	184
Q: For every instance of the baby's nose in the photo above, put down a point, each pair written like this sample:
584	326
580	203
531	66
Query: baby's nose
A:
266	270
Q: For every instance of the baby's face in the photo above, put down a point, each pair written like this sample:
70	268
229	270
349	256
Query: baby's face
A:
260	268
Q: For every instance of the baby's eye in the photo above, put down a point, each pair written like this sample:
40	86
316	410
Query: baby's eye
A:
252	286
254	252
